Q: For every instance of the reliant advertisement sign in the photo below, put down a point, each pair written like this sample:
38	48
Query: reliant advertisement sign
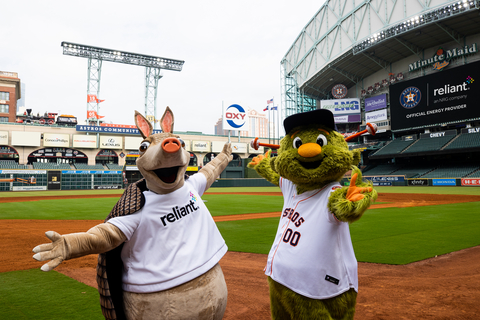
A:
375	116
110	142
84	141
375	103
201	146
235	118
341	106
56	140
4	137
451	96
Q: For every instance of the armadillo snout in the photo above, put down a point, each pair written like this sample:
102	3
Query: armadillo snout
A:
171	145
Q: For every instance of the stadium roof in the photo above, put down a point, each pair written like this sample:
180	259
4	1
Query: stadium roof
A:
367	57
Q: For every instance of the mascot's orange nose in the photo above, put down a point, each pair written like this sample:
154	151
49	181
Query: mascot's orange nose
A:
171	145
309	150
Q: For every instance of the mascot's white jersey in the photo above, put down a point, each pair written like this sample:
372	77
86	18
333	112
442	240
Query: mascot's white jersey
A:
312	253
171	240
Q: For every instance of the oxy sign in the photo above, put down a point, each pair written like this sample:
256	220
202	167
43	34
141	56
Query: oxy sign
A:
235	118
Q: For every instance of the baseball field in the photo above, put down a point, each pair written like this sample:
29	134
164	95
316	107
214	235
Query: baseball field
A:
418	250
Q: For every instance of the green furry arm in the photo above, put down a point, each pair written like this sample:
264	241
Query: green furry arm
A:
347	210
262	164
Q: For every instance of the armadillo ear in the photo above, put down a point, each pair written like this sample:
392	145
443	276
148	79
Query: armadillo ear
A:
143	125
167	121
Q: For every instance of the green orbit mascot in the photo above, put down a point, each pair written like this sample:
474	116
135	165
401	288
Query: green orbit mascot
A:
311	267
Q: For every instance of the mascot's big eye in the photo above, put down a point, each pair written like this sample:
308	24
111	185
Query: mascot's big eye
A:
321	140
182	143
144	146
297	142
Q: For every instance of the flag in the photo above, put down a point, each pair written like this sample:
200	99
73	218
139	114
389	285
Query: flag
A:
266	109
93	98
93	114
270	101
274	108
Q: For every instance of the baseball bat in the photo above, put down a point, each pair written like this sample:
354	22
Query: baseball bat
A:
371	128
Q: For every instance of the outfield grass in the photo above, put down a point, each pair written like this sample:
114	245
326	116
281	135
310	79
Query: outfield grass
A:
34	294
391	235
99	208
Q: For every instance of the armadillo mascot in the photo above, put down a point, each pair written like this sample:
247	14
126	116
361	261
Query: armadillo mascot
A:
159	247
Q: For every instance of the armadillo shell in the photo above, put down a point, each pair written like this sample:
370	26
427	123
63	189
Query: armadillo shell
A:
110	266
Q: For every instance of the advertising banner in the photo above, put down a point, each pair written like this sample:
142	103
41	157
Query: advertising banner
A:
342	106
56	140
235	118
471	182
238	147
54	179
132	143
375	103
4	137
101	129
110	142
84	141
348	118
449	96
26	139
380	115
443	182
417	182
201	146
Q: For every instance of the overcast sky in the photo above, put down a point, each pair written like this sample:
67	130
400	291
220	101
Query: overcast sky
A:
232	52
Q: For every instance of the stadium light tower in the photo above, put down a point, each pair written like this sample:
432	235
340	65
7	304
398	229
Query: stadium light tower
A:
95	55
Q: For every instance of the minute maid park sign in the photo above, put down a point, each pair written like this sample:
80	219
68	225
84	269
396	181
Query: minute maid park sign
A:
442	58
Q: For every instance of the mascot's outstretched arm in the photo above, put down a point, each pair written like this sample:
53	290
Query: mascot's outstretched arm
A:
349	203
101	238
263	166
213	169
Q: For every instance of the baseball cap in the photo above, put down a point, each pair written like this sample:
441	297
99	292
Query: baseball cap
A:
319	116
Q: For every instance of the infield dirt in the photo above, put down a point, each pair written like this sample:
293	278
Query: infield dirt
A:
445	287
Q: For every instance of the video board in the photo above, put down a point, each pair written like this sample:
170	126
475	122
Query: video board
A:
450	95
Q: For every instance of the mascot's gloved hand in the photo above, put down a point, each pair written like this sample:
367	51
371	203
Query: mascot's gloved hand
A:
349	203
354	193
101	238
258	159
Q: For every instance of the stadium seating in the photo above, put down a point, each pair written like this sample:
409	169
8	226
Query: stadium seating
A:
84	166
113	166
465	141
382	169
414	171
50	166
394	147
12	164
452	171
429	144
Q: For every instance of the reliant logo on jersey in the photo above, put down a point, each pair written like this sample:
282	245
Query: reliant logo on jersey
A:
441	59
410	97
178	213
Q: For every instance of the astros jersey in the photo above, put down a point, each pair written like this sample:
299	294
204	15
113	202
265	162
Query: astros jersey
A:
312	253
171	240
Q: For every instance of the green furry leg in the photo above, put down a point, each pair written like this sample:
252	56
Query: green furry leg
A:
286	304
